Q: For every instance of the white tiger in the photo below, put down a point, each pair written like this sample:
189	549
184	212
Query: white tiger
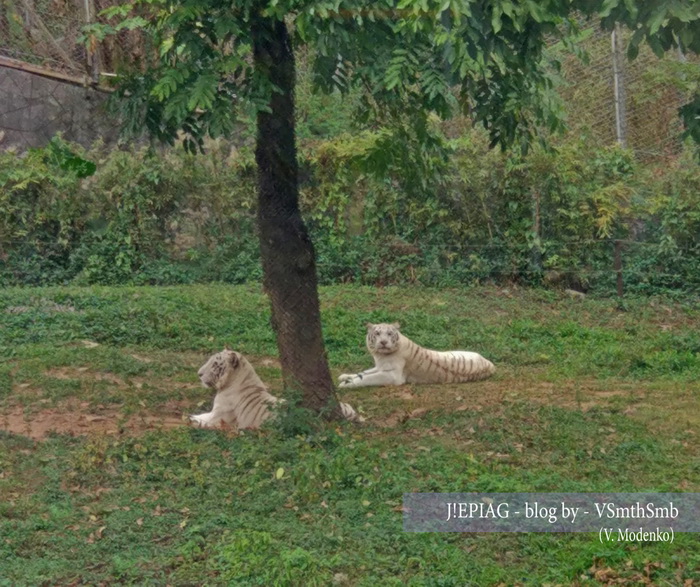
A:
241	397
399	360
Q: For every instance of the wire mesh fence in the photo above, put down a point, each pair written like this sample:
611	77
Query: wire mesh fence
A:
45	33
634	103
616	100
51	80
46	37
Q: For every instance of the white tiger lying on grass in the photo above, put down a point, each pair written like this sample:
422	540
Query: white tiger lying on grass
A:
399	360
241	397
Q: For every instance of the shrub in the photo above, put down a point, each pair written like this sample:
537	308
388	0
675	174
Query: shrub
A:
549	218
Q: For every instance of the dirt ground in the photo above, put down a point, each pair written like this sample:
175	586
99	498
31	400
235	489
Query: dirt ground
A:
77	419
385	407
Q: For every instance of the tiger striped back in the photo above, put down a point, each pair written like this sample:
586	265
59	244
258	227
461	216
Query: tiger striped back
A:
428	366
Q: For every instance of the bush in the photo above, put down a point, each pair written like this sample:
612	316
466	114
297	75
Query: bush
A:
481	216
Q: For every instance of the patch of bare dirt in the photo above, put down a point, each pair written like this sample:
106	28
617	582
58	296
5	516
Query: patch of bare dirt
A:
79	420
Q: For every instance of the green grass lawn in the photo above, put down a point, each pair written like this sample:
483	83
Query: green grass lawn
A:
103	482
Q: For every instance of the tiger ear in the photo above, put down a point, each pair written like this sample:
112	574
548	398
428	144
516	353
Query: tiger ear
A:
227	347
396	325
234	359
368	325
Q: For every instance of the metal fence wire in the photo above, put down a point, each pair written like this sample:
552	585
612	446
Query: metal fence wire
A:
45	33
634	103
614	100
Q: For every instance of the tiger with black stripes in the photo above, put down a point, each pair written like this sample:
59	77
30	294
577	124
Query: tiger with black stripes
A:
399	360
242	399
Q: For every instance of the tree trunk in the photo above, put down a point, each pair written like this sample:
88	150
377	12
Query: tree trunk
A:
288	257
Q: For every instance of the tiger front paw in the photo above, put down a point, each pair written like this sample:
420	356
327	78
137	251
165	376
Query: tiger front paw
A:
202	420
345	378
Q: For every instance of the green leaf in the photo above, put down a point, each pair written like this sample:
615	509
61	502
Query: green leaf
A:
657	20
166	45
203	92
66	159
496	19
121	10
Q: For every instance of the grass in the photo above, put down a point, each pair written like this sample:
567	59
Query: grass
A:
102	482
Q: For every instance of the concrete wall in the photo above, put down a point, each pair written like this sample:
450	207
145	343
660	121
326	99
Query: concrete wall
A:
34	108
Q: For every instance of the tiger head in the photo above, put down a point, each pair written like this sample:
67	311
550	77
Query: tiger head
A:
383	339
219	368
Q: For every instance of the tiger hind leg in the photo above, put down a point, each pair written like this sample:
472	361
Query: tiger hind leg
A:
350	414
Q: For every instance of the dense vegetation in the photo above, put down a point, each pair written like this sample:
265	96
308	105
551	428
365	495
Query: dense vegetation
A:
168	218
460	214
587	398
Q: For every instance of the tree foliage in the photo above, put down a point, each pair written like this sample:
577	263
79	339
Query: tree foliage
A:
409	57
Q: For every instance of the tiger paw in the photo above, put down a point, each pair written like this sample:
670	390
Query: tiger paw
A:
201	421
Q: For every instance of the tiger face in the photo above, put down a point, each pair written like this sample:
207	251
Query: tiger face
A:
215	371
383	339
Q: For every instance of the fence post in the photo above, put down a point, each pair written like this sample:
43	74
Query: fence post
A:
536	251
91	55
618	267
619	87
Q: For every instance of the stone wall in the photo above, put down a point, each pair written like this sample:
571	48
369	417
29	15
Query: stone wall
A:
34	108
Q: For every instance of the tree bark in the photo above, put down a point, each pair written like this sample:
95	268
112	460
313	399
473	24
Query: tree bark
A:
288	257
